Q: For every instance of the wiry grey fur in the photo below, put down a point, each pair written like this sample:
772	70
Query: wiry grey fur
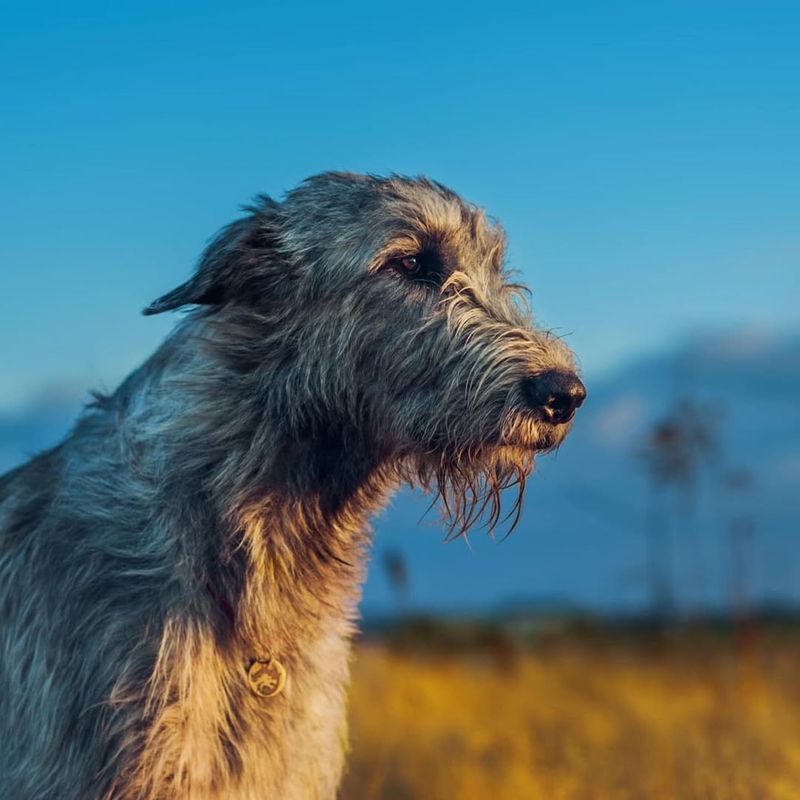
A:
214	508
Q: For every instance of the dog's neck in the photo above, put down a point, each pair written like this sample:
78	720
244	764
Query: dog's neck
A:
281	511
294	537
300	560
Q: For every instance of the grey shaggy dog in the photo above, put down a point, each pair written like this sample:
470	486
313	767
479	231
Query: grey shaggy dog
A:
179	577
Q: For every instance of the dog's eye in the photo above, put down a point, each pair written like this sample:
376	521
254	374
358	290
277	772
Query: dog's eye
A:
410	265
422	268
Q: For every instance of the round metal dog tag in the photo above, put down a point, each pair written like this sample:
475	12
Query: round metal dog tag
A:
266	676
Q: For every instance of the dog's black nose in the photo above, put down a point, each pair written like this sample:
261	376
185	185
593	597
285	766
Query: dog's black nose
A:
555	395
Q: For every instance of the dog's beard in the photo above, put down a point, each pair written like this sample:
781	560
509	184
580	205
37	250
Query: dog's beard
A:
481	485
476	489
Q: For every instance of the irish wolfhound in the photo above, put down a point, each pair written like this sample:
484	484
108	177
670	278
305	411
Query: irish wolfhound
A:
179	577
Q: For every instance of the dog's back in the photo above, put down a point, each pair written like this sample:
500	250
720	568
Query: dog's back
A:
74	599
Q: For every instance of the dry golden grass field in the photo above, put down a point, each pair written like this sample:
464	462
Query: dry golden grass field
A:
686	718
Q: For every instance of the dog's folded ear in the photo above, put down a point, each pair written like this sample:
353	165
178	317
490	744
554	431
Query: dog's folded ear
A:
189	293
239	264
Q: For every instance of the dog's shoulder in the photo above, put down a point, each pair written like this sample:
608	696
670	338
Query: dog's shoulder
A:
26	490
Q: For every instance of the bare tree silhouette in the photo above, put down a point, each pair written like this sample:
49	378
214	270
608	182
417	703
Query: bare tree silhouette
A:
396	569
741	523
675	450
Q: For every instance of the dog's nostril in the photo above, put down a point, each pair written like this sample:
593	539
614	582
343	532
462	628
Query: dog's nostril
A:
555	395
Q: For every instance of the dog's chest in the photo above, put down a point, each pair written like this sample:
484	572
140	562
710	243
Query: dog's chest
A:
223	739
297	739
227	734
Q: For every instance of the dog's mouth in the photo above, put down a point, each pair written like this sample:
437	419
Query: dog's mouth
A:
528	433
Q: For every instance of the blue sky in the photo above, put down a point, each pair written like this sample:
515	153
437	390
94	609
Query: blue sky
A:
643	157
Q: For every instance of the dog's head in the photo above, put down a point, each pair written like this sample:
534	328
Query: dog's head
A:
380	311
